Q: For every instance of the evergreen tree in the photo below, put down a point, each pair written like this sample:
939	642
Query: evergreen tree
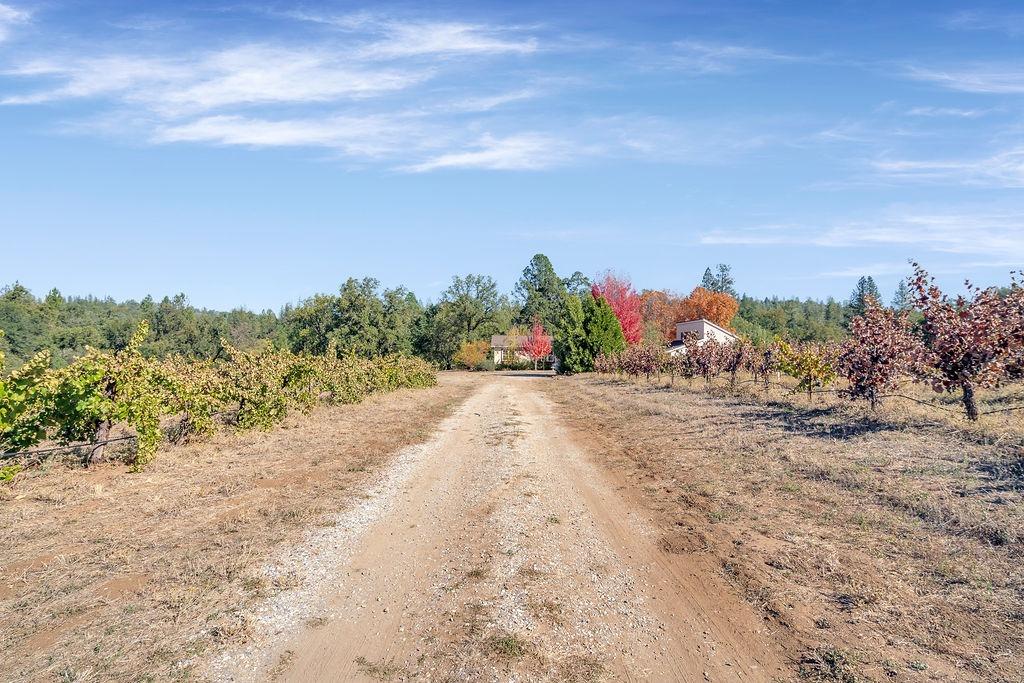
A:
708	282
577	283
719	281
541	293
865	289
724	281
571	346
603	331
902	300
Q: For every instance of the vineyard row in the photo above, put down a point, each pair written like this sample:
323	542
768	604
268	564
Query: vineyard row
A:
181	399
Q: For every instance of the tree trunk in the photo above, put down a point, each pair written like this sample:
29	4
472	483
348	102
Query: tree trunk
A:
102	434
970	405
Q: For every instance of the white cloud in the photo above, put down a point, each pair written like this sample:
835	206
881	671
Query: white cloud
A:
9	16
953	112
367	137
396	39
709	58
444	38
523	152
996	79
973	20
489	102
998	235
1004	169
244	75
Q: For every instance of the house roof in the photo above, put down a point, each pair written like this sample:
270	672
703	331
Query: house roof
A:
505	341
710	324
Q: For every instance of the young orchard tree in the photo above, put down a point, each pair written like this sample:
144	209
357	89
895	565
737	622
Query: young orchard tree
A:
537	344
881	351
763	361
736	357
971	339
812	365
709	359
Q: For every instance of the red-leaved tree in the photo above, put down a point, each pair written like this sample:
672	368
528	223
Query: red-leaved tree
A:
537	344
626	304
972	340
880	352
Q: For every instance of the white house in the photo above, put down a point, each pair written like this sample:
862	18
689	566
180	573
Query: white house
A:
507	349
704	329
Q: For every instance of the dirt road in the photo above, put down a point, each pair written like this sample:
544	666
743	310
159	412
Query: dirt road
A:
497	551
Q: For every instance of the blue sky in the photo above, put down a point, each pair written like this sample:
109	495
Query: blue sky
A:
254	154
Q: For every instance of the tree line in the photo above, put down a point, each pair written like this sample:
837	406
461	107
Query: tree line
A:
958	345
368	320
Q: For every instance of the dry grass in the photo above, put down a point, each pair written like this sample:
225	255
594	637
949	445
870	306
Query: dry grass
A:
888	546
109	575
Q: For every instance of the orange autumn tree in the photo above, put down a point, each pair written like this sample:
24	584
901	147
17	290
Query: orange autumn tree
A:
718	307
662	310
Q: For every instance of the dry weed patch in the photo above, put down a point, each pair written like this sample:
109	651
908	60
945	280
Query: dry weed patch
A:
111	575
882	543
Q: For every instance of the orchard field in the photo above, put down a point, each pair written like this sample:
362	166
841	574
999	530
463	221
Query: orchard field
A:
328	499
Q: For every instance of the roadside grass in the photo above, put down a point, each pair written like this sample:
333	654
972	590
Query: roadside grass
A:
508	646
893	538
381	671
112	575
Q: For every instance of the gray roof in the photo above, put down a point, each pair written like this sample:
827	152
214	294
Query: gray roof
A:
505	341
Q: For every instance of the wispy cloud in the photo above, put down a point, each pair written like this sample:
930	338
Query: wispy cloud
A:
904	268
951	112
715	58
368	136
524	152
1004	169
1011	24
999	235
243	75
994	79
483	103
396	39
10	16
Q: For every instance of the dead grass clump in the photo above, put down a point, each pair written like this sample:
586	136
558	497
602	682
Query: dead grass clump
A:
827	517
154	569
381	671
828	664
508	647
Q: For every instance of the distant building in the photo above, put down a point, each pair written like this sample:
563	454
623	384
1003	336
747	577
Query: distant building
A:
704	329
505	348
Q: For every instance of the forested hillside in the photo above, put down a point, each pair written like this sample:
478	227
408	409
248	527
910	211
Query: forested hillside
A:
364	318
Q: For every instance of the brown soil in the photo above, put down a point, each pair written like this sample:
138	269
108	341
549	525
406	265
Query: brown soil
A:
114	576
518	528
505	554
886	546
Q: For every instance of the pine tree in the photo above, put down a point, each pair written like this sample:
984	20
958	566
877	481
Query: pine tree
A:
541	292
603	330
709	282
902	300
724	281
866	289
571	339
